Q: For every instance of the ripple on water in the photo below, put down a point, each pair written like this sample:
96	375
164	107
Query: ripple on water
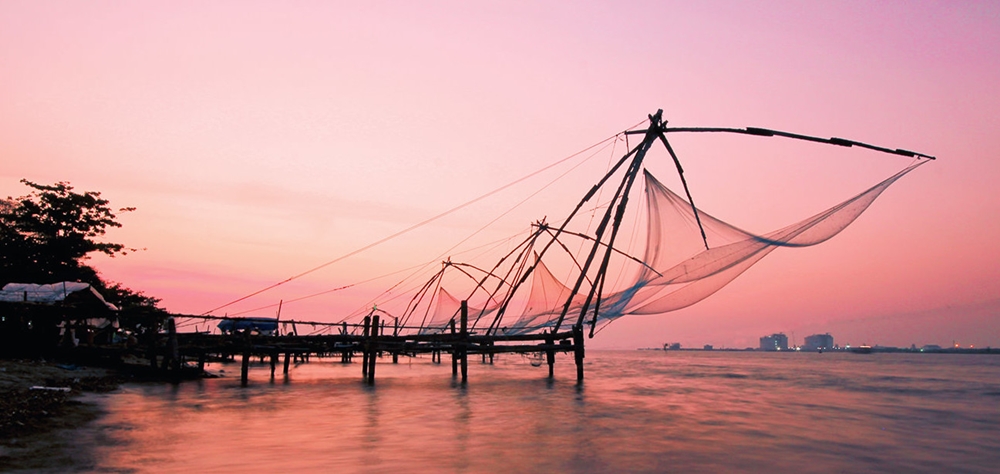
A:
641	411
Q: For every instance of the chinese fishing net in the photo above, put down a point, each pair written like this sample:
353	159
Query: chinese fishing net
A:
679	270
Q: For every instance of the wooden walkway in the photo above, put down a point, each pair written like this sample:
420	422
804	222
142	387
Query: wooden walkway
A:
172	351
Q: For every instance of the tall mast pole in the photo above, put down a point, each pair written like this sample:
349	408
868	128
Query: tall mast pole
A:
652	134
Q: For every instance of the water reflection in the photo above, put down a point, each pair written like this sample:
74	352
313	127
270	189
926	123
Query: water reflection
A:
462	419
372	438
637	412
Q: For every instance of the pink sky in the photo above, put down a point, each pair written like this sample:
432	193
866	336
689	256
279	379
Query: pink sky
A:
258	140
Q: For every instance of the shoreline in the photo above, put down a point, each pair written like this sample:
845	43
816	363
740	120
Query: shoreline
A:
33	423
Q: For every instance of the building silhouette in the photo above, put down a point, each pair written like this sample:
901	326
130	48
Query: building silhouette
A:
818	342
774	342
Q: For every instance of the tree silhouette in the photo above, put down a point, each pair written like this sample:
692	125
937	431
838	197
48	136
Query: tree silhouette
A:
47	234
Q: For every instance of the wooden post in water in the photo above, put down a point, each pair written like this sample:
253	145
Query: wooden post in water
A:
454	355
274	363
578	351
364	347
464	348
373	348
395	332
550	356
175	360
288	356
245	365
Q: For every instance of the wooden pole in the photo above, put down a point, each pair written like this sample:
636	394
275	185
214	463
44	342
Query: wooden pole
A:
620	196
454	356
374	350
364	348
288	357
395	332
245	366
578	351
175	360
465	337
550	356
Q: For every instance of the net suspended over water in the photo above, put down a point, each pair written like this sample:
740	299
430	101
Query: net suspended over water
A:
681	266
688	255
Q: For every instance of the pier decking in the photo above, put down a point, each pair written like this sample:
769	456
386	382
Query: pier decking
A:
370	340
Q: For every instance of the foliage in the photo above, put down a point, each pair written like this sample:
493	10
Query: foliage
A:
137	310
47	234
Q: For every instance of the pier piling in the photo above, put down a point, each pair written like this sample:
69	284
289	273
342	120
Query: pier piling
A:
368	339
578	351
364	348
373	350
550	356
464	345
454	355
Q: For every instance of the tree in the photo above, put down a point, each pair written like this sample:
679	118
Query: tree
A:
47	234
138	312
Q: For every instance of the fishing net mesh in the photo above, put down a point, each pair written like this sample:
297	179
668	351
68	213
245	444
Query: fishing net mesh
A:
679	270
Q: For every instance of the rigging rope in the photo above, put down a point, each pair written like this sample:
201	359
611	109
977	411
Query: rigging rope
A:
422	266
417	225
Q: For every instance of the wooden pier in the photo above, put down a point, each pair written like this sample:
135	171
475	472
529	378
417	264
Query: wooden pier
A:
174	350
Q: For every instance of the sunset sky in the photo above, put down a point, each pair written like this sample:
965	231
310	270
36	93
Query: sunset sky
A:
258	140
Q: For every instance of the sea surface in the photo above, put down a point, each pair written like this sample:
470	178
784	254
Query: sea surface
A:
637	411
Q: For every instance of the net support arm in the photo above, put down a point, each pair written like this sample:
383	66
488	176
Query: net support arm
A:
765	132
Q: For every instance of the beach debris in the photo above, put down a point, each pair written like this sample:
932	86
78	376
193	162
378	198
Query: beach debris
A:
49	389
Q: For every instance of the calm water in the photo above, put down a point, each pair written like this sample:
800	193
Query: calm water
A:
638	411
